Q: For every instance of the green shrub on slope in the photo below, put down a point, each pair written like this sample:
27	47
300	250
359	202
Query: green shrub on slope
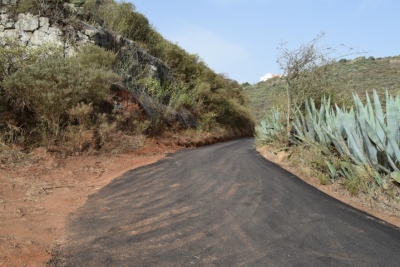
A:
195	85
46	90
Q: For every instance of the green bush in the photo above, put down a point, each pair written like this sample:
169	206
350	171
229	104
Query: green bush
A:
121	17
53	9
51	87
27	5
14	56
78	2
91	56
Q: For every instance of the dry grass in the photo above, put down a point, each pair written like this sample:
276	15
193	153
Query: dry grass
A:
11	156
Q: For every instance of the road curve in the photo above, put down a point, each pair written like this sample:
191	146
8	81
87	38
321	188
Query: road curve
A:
222	205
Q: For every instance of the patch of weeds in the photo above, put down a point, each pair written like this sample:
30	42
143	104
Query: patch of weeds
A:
323	179
11	155
352	185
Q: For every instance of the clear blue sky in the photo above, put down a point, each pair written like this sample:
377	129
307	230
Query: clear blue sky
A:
240	37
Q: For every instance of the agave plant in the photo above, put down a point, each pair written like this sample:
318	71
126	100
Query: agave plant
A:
367	135
270	128
310	127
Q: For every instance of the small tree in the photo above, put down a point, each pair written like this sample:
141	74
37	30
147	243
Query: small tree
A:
306	71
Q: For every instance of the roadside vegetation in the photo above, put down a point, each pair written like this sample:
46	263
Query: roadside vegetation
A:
65	103
360	75
341	121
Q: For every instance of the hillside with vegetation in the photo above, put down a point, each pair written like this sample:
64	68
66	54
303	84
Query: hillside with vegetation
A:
90	100
343	123
359	75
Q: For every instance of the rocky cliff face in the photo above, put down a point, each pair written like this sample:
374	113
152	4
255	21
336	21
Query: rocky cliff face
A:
36	31
30	30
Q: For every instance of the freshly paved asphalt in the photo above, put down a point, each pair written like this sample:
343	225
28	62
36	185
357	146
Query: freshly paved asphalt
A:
222	205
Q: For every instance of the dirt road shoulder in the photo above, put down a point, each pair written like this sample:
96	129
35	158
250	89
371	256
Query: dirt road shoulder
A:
36	200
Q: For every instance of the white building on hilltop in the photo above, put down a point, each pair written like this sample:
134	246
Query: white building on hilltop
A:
269	76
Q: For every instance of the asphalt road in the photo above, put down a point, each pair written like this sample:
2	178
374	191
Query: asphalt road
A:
222	205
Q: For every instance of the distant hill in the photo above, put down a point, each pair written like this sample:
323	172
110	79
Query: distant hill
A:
358	75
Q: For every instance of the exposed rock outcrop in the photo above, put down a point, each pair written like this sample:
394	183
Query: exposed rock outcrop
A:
36	31
31	30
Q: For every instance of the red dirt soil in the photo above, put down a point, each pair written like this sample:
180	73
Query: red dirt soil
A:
37	200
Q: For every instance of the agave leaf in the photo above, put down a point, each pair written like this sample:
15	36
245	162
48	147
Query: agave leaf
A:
362	115
313	109
321	136
342	147
393	144
303	123
321	116
328	121
355	143
378	116
357	102
340	117
309	120
336	142
332	170
396	176
317	118
372	134
380	167
328	103
392	163
392	117
397	100
298	130
378	177
345	173
369	147
370	110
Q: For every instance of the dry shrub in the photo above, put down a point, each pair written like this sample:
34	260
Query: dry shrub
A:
77	139
92	56
80	114
11	155
208	121
105	131
48	91
141	127
109	139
